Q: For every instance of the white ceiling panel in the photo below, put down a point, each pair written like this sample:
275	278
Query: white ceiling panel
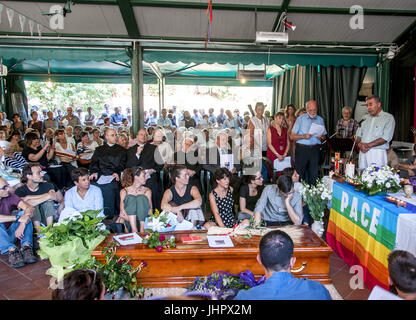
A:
369	4
171	22
84	19
335	27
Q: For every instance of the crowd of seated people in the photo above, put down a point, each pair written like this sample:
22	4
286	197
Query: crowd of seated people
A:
204	168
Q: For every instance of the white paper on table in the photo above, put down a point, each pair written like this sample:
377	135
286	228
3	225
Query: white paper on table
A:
316	129
220	241
128	238
227	161
382	294
184	225
280	165
105	179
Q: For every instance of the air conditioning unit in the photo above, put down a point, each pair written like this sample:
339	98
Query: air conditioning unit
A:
251	74
269	38
3	70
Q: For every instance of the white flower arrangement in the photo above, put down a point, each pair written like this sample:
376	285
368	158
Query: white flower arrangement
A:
374	180
316	197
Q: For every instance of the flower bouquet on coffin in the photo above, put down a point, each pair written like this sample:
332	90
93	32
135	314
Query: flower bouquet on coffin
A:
160	221
316	197
374	180
223	285
71	241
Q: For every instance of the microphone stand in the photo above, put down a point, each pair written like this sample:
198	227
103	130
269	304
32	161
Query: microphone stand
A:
328	138
355	140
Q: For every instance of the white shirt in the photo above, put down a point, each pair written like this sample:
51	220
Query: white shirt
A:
93	200
260	129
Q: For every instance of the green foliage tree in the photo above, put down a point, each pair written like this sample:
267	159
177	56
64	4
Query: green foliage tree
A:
61	95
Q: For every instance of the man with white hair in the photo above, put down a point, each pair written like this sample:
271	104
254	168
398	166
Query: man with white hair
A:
374	135
307	153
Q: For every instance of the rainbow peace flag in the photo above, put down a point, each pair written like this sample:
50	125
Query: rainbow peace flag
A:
362	230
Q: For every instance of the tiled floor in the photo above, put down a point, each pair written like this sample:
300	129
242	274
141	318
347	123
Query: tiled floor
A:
31	283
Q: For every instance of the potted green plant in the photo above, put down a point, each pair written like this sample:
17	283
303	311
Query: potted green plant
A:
118	275
71	240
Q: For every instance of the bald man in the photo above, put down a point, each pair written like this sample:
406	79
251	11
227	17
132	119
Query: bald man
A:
109	160
147	156
308	147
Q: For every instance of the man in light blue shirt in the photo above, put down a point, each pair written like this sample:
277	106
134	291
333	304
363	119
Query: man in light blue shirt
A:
307	152
83	196
163	120
116	118
374	135
153	119
276	257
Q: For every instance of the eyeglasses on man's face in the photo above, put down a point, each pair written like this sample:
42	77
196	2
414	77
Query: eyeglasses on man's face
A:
5	187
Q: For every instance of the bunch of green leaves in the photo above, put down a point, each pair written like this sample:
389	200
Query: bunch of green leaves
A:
158	241
86	226
255	226
116	272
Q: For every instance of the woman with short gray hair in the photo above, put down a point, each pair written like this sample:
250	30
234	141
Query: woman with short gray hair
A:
346	127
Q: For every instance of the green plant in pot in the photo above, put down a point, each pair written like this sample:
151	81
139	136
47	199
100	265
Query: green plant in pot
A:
117	273
71	240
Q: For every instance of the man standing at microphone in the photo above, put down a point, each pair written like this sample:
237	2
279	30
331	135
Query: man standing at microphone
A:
374	135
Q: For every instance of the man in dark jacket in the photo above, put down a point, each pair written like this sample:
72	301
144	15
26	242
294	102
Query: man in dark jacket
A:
109	161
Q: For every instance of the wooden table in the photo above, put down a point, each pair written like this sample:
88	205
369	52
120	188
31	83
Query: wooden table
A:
178	267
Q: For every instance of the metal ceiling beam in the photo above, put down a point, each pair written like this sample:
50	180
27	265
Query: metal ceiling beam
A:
129	19
405	34
156	70
284	7
203	5
346	11
182	69
239	7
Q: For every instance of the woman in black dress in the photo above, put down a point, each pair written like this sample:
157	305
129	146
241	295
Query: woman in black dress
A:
222	202
183	198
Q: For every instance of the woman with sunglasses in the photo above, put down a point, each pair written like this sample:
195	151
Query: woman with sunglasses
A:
249	193
279	205
135	199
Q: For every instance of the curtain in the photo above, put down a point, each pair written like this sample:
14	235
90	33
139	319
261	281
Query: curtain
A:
402	101
16	101
295	86
2	95
336	87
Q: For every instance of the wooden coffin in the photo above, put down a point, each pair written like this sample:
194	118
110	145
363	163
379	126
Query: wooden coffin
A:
178	267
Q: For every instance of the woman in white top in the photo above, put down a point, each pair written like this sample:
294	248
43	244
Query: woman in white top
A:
65	154
258	126
164	148
69	134
96	137
85	149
